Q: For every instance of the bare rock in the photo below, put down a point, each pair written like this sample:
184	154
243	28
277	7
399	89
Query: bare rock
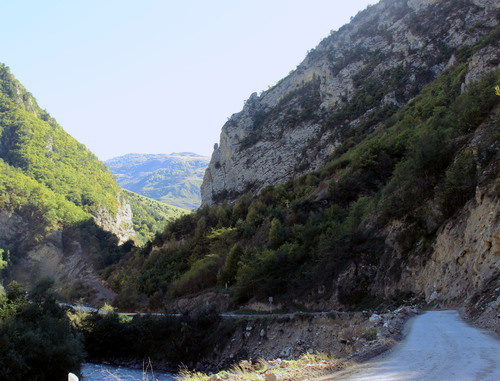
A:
285	132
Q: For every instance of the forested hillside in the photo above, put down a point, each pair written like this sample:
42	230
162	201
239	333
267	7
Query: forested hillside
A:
372	225
150	216
173	179
32	141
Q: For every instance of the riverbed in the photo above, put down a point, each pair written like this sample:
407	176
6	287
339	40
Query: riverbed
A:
99	372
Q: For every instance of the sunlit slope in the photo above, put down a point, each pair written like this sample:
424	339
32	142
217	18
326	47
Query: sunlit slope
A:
174	179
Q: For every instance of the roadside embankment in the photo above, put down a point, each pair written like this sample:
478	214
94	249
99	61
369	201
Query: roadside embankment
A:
301	345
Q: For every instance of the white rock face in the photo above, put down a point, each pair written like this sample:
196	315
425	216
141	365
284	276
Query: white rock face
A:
120	225
286	131
484	61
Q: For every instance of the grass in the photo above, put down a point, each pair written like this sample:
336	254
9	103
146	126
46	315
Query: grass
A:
308	365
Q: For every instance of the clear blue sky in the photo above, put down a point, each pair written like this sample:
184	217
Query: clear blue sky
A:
156	76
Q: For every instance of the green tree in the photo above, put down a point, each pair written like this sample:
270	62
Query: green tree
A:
36	340
3	263
228	272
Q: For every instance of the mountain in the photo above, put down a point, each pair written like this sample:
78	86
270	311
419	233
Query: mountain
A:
62	214
347	86
366	178
174	179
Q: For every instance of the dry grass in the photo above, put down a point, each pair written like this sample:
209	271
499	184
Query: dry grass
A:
306	367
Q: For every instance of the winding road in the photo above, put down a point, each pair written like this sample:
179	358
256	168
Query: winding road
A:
439	346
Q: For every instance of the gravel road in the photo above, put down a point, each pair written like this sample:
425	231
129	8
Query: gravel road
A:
439	346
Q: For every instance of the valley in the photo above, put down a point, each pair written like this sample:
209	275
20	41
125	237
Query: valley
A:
360	189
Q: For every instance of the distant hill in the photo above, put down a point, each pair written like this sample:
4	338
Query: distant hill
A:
174	179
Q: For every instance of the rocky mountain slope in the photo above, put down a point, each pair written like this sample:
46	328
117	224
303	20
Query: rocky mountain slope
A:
404	206
349	84
174	179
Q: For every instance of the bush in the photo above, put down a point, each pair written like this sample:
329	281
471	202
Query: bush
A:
459	184
36	340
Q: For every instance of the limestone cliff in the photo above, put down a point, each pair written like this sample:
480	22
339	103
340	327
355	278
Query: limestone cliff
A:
121	224
351	80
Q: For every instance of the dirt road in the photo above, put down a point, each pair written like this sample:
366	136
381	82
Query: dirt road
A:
439	346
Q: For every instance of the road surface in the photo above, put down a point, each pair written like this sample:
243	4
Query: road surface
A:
439	346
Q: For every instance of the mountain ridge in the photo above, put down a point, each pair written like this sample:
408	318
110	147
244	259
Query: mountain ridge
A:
62	214
395	213
354	78
170	178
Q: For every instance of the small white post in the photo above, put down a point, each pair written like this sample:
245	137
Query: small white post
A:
72	377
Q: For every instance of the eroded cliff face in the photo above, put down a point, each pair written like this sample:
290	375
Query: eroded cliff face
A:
120	225
455	264
463	266
69	255
354	77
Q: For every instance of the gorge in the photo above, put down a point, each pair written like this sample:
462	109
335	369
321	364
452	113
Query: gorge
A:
361	185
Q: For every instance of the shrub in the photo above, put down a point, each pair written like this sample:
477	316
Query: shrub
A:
36	339
459	184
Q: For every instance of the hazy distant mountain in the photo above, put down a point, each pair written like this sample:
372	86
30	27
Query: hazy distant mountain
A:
174	179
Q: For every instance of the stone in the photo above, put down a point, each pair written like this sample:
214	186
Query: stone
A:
270	377
286	352
274	139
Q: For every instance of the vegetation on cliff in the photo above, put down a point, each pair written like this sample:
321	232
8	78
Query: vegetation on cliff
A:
418	167
32	141
50	182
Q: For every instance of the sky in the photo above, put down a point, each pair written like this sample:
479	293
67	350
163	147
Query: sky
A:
158	76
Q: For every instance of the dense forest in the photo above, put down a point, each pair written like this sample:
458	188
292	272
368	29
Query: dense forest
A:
36	338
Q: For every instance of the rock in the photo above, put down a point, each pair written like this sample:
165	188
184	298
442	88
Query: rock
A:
270	377
120	225
286	352
484	61
275	137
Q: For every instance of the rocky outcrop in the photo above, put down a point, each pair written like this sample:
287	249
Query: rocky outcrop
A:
13	228
61	255
120	225
484	61
376	63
